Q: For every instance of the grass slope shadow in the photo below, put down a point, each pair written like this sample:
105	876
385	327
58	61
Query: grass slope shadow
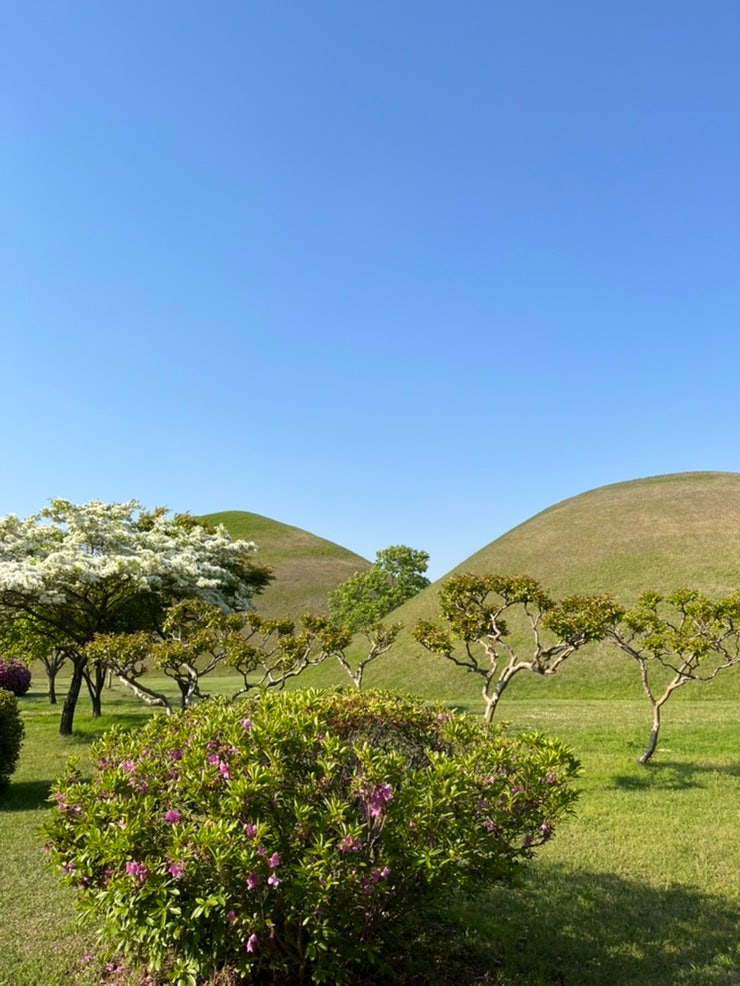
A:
561	927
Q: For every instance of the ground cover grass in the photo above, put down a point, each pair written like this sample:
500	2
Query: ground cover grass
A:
639	887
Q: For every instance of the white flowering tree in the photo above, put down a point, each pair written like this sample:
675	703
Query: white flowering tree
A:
70	572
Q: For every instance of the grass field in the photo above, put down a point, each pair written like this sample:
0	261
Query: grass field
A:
640	887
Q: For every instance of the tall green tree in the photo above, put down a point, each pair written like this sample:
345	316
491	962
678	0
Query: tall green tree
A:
360	604
477	616
366	597
70	572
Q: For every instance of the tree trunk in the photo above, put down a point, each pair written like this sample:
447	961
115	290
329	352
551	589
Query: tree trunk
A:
70	702
653	741
491	699
95	684
52	691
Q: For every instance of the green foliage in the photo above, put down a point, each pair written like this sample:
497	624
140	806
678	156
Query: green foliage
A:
365	598
292	837
11	735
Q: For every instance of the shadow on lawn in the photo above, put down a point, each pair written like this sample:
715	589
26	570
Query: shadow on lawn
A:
671	775
565	928
26	796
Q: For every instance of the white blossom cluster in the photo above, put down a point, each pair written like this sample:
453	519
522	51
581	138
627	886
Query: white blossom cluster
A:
55	554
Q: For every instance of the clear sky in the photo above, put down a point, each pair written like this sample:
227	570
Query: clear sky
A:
394	272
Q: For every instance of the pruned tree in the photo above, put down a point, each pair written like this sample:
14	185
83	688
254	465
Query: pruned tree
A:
71	572
197	637
474	632
675	639
378	638
277	650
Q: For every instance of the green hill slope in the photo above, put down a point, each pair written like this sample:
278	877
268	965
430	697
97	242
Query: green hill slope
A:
663	532
306	567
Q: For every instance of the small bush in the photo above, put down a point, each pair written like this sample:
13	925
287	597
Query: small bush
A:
15	676
11	735
292	838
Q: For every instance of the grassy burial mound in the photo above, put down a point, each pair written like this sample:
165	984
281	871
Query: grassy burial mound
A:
659	533
306	567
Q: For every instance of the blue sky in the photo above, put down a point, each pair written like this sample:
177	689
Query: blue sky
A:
400	272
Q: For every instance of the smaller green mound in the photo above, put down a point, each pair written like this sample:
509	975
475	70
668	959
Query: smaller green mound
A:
306	567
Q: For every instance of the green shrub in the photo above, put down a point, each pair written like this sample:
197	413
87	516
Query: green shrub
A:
11	735
291	837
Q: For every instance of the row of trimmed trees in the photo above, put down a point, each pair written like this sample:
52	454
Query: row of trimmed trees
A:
113	589
674	639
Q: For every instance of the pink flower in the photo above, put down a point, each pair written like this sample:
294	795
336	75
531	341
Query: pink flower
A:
382	794
176	870
172	816
231	917
253	880
137	870
273	880
251	942
246	724
274	860
250	830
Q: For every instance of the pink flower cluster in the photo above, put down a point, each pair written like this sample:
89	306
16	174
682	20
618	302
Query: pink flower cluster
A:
137	870
379	798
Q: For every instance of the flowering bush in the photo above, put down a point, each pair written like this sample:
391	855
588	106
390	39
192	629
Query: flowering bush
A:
11	735
15	676
289	837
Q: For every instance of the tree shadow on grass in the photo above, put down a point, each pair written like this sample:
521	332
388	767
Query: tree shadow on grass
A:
566	928
670	775
25	795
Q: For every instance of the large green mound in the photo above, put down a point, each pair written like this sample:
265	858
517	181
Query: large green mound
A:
662	532
306	567
659	533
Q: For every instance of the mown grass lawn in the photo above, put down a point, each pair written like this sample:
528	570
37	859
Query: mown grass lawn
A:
641	886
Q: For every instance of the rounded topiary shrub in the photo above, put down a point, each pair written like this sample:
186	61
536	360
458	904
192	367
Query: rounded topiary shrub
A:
14	676
11	735
289	838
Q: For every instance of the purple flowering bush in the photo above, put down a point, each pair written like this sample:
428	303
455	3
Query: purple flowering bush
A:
291	837
15	676
11	735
